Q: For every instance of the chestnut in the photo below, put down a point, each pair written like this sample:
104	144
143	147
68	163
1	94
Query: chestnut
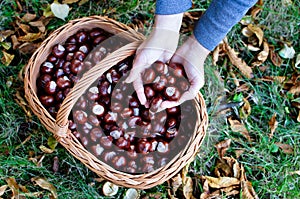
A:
58	51
59	72
171	133
97	149
105	100
42	80
71	39
117	94
93	93
163	147
171	80
148	168
93	120
134	102
103	88
81	103
95	134
153	143
52	59
133	121
171	122
79	55
66	67
86	128
76	66
98	109
109	117
84	141
183	85
148	76
136	111
106	141
69	56
72	125
119	161
160	84
115	132
67	91
95	32
47	68
84	48
97	40
131	153
63	82
116	107
71	47
145	114
50	87
126	113
122	143
149	92
143	146
59	97
159	67
52	111
80	116
108	156
178	70
147	159
172	93
162	162
81	36
155	104
173	110
74	78
59	63
114	75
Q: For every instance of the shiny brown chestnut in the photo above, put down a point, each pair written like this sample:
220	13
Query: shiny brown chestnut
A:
108	155
148	76
50	87
126	113
79	55
149	92
59	63
81	36
76	66
69	56
66	67
59	96
71	39
81	103
52	59
58	50
122	143
42	80
116	107
155	104
171	93
52	111
115	132
171	122
103	88
94	120
175	110
178	70
97	40
159	67
160	84
171	133
93	93
47	68
70	47
63	82
95	32
143	146
98	109
80	117
96	134
163	147
119	161
133	102
97	149
106	142
109	117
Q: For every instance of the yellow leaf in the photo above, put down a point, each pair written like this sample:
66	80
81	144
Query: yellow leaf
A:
29	37
188	188
43	183
82	2
238	127
2	189
288	149
258	32
273	125
295	89
248	191
13	185
245	111
221	181
238	62
7	58
222	147
45	149
298	118
70	1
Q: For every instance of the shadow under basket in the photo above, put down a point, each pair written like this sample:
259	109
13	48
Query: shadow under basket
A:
59	125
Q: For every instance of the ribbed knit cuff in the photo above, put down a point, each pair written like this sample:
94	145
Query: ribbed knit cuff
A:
168	7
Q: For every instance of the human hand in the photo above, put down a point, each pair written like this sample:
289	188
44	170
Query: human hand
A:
192	56
159	46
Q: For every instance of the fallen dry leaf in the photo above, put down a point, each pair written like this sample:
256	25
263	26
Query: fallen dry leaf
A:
286	148
39	24
60	11
2	189
82	2
69	1
238	62
29	37
221	181
248	191
258	32
298	118
15	42
222	147
215	55
297	63
24	27
275	58
245	110
287	52
239	152
257	8
7	58
28	48
188	188
43	183
28	17
273	124
238	127
13	185
295	172
37	160
295	90
175	183
46	150
263	55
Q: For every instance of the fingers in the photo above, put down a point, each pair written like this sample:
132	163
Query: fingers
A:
139	65
139	88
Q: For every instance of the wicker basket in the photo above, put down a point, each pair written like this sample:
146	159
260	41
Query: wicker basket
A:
59	126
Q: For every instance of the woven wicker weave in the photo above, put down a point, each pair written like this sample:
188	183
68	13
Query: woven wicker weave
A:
59	126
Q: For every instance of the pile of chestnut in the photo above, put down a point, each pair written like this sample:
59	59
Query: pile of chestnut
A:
108	119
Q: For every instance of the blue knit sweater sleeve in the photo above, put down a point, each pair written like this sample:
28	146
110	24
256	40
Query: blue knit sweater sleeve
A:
215	23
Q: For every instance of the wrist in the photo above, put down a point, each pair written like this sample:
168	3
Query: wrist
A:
168	22
196	47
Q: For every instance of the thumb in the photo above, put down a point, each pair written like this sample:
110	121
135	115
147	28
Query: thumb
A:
139	64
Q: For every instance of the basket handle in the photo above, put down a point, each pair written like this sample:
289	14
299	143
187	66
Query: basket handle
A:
61	124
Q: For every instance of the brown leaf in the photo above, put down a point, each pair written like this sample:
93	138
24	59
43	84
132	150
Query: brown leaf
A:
222	147
7	58
288	149
43	183
221	181
258	32
245	110
273	124
39	24
222	169
298	118
279	79
263	55
215	55
25	28
5	34
248	191
82	2
28	48
238	62
28	17
13	185
69	1
295	90
239	152
19	98
29	37
238	127
188	188
275	58
176	182
2	189
15	42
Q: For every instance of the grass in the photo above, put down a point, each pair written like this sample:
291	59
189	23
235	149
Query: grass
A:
267	166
